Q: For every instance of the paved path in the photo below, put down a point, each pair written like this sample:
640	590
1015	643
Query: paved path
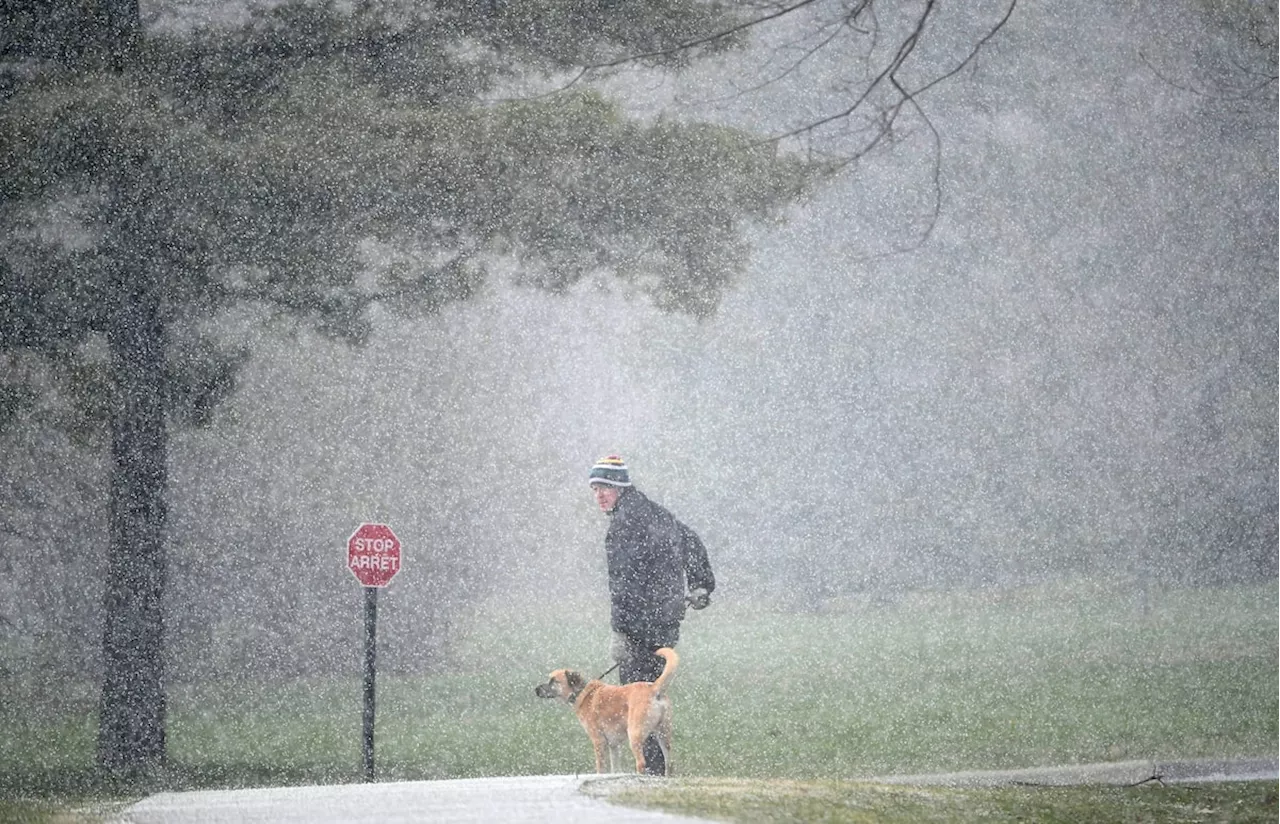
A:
563	799
550	799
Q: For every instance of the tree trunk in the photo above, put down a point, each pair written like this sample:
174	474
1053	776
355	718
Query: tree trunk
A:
131	725
131	718
74	33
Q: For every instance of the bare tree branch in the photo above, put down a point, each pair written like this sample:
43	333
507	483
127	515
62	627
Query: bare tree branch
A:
704	40
873	104
973	54
905	48
807	54
1249	92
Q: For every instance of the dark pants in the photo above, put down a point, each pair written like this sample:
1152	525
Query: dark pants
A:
643	665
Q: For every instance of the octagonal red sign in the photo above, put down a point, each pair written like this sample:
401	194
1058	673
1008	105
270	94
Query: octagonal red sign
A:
373	554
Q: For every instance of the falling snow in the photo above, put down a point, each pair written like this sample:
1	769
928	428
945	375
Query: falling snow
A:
1028	337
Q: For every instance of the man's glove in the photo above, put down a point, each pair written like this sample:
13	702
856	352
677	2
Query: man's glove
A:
699	598
620	648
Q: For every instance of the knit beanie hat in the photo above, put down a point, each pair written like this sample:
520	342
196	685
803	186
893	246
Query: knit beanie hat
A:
610	470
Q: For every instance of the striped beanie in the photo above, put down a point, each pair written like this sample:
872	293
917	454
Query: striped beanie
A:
610	470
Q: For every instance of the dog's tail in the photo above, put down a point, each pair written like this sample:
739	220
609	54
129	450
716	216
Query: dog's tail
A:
673	661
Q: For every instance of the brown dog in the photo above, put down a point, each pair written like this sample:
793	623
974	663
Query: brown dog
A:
613	716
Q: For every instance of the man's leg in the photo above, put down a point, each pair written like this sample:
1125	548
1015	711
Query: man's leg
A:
643	665
655	763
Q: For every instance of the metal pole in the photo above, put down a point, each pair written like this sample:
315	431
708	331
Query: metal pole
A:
370	670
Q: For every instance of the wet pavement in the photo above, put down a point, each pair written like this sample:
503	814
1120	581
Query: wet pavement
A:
553	799
565	799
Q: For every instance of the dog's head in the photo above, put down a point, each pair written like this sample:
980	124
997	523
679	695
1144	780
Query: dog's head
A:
563	684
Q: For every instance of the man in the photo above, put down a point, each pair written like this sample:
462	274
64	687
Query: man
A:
652	558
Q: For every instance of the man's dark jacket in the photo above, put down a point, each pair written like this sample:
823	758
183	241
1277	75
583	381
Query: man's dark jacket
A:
650	556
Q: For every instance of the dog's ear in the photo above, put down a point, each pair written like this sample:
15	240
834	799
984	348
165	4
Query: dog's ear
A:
574	680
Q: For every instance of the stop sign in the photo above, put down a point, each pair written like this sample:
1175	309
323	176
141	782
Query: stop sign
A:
373	554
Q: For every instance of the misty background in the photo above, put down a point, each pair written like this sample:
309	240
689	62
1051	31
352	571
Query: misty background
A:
1068	370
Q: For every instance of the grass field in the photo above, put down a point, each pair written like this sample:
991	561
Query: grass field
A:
834	802
929	682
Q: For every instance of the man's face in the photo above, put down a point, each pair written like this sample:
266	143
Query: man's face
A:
606	496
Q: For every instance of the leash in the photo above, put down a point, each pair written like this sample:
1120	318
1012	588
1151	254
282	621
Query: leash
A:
688	601
573	697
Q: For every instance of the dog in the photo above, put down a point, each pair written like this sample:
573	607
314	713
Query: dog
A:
617	715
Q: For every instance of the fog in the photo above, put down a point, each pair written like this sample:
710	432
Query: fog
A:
1057	359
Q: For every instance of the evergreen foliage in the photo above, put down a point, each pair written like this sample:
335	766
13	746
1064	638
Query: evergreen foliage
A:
154	177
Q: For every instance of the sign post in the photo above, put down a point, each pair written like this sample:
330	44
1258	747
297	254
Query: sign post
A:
373	556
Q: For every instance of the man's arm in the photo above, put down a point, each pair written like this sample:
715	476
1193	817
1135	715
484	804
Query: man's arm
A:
697	568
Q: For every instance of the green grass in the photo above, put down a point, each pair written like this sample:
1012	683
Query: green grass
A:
834	802
930	682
